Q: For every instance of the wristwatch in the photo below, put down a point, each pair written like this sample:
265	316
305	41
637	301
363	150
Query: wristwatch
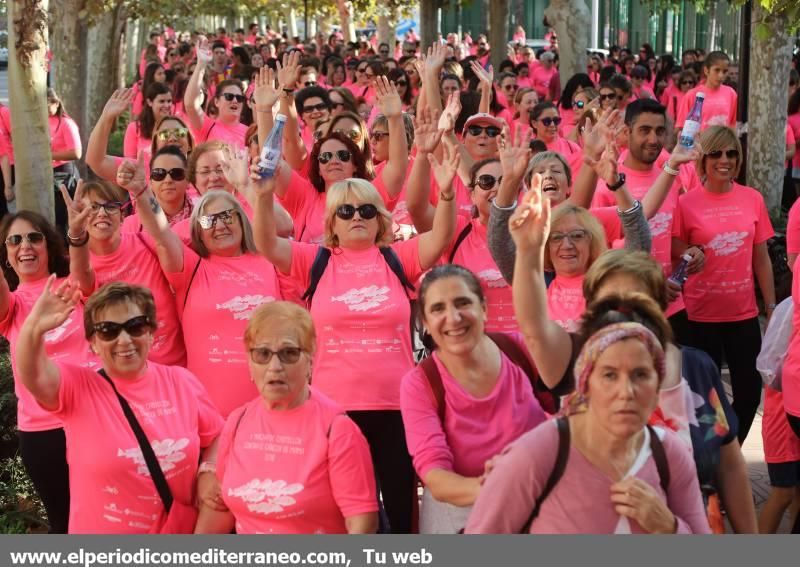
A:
620	182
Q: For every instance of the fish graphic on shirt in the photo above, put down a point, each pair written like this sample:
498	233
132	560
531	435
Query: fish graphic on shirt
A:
267	496
169	453
492	278
363	299
660	223
727	243
242	306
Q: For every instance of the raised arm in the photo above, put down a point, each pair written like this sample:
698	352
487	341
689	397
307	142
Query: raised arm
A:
390	105
193	97
433	243
265	96
274	248
595	140
434	62
426	138
447	124
295	152
103	165
486	78
78	213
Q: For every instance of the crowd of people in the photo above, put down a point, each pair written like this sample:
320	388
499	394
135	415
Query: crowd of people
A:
452	306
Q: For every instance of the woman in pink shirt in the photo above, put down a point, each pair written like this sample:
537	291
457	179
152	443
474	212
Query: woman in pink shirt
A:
154	73
487	399
720	104
546	121
544	78
524	101
315	476
112	488
139	133
362	311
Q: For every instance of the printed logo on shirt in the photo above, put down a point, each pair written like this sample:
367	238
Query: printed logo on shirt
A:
241	278
267	496
363	299
727	243
242	306
718	120
169	453
492	278
59	332
660	223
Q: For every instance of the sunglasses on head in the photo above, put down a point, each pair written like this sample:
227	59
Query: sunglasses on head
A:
179	133
550	121
110	207
608	96
208	222
341	155
488	182
230	97
31	237
287	355
160	174
136	327
315	108
717	154
491	131
366	212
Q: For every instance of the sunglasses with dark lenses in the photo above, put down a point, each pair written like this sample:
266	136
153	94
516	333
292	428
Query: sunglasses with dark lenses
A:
310	83
208	222
31	237
361	69
579	104
378	136
160	174
230	97
402	83
488	182
551	121
690	83
136	327
510	87
717	154
287	355
366	212
178	133
491	131
341	155
608	97
315	108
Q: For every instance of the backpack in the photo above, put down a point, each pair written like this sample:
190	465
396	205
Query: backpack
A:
775	344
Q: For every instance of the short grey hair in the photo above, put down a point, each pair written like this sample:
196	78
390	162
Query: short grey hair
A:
408	123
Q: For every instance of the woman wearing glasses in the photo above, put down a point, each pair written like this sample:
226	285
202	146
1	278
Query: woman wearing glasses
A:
403	84
362	311
320	478
314	106
139	133
110	483
566	104
379	136
32	250
546	122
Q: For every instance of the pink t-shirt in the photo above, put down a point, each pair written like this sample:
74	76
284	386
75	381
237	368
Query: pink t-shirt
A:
224	293
463	197
580	503
307	208
67	342
133	143
474	429
64	136
719	107
794	125
362	316
298	471
5	132
728	225
791	365
570	151
793	229
135	262
565	302
541	78
212	129
781	445
111	490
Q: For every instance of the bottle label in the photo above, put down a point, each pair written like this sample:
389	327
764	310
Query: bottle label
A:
690	130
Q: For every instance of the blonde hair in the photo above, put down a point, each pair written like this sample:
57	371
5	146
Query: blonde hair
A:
364	192
717	138
270	315
587	220
640	265
248	243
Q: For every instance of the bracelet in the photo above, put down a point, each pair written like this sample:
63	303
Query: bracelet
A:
75	243
670	170
771	306
70	237
443	197
636	206
511	207
140	193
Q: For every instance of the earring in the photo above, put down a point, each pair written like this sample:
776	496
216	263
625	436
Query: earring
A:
8	264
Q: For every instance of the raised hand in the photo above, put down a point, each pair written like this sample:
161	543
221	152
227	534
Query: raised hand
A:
514	156
530	223
437	54
78	211
54	305
444	171
265	93
387	98
235	164
447	121
259	185
203	49
597	136
119	102
606	167
486	77
130	176
682	154
289	72
426	135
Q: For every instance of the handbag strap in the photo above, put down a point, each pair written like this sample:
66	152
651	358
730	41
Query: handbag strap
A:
144	444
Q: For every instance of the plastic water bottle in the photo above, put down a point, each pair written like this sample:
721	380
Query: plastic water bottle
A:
681	273
271	152
692	125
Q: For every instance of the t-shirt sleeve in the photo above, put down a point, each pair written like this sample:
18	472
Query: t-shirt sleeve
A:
209	420
350	469
684	497
733	107
73	383
298	195
206	126
7	321
71	136
408	252
609	218
303	255
683	109
764	229
793	229
180	280
226	437
677	222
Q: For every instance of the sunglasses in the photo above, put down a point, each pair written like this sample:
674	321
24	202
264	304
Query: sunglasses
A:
378	136
136	327
361	70
342	155
608	97
550	121
575	237
491	131
230	97
717	154
110	207
510	87
208	222
310	83
579	104
31	237
366	212
177	133
384	52
315	108
690	83
488	182
287	355
335	104
160	174
401	83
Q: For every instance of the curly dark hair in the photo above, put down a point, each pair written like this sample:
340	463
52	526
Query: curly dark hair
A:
57	259
361	160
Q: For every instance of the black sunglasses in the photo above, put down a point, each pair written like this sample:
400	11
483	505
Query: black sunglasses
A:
488	182
341	155
608	96
315	107
287	355
491	131
550	121
31	237
136	327
230	97
310	83
366	212
690	83
160	174
361	69
717	154
402	83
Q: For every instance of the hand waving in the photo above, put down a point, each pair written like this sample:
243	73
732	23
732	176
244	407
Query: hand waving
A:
444	171
485	76
118	103
78	211
130	176
204	53
606	167
437	54
426	135
514	156
289	72
447	121
54	305
265	93
235	163
596	137
388	99
530	223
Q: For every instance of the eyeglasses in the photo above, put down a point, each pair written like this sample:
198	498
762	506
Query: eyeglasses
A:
378	136
136	327
361	69
287	355
31	237
384	52
551	121
342	155
401	83
488	182
608	97
208	222
491	131
717	154
160	174
203	172
310	83
230	97
369	75
575	237
335	104
579	104
366	212
110	207
690	83
178	133
315	108
510	87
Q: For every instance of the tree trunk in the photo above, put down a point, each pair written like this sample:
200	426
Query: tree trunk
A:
428	20
572	22
291	22
498	31
346	19
27	89
769	66
104	37
69	64
387	24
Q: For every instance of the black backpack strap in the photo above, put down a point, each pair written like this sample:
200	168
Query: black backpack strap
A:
394	263
428	367
144	444
191	279
548	278
555	475
660	457
461	237
317	269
